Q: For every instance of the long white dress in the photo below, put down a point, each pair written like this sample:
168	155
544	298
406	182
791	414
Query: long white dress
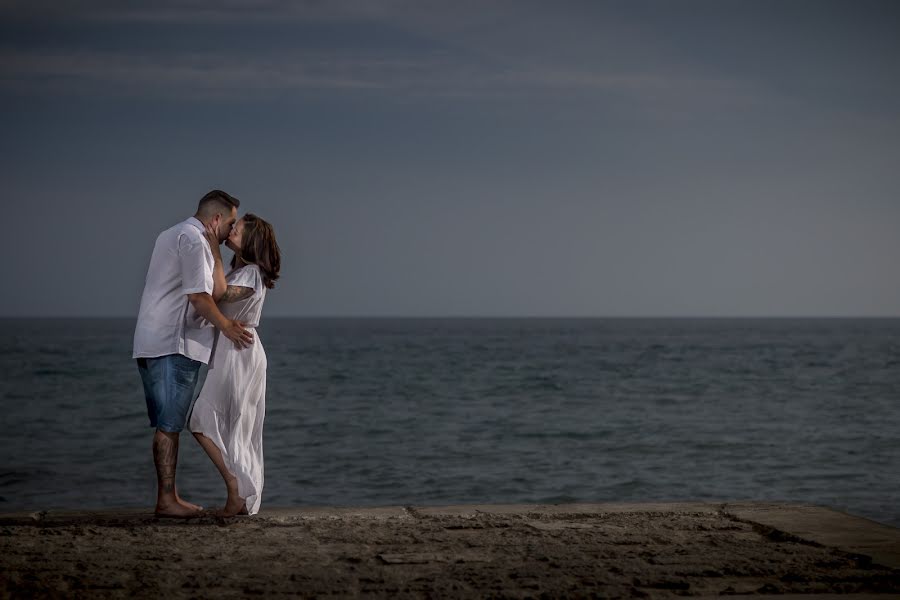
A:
231	406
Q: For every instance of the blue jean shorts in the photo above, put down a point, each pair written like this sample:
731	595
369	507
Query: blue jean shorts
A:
169	385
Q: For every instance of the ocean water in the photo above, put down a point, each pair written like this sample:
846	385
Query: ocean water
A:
368	412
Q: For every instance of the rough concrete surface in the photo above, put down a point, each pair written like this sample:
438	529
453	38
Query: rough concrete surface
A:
503	551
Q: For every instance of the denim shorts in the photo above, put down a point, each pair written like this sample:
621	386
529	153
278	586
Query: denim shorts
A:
169	385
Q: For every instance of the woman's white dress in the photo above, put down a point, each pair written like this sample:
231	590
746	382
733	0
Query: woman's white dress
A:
232	404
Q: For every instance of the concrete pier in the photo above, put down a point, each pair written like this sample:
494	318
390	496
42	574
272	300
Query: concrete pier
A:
652	550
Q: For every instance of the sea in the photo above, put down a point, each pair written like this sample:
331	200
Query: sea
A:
414	411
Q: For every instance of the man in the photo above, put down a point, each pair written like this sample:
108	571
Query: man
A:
175	333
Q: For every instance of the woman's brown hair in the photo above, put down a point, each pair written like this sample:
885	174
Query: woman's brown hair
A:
258	247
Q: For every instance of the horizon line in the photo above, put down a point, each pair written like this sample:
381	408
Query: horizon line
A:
484	317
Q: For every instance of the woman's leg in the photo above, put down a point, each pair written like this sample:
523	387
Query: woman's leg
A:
234	504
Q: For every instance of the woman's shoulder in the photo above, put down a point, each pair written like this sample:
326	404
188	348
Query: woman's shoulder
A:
245	268
247	273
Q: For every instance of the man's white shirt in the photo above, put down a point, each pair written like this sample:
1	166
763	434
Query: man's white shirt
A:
182	263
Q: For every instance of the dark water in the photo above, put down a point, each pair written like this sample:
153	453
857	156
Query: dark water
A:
397	411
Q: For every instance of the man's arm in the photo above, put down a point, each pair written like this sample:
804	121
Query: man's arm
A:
233	330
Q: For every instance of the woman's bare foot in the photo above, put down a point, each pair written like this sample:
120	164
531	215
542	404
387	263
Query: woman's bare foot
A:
244	510
233	506
176	510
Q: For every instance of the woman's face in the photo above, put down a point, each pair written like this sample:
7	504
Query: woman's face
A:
236	237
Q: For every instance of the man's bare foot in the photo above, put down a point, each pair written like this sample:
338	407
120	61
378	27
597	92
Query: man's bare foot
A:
189	505
176	510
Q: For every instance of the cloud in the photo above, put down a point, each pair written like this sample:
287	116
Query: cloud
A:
218	11
462	49
204	75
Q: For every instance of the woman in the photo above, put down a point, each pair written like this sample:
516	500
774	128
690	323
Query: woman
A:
228	414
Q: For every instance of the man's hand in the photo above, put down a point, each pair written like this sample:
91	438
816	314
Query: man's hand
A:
234	330
237	333
211	233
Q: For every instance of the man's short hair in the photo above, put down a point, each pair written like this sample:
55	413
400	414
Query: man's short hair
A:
217	199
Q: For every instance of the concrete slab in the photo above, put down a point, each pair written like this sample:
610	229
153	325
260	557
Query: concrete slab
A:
827	527
815	524
567	509
654	550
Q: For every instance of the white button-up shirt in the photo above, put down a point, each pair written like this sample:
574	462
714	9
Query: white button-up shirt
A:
182	263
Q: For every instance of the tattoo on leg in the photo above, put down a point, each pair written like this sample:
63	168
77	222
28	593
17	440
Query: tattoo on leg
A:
165	457
166	478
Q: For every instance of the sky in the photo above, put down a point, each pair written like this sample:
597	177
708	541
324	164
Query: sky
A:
462	158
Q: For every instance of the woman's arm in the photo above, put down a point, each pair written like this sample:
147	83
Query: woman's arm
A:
233	293
219	283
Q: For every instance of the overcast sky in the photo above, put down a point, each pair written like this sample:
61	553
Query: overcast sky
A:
462	158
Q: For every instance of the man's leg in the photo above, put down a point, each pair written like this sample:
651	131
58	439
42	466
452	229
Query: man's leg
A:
153	373
178	376
165	457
